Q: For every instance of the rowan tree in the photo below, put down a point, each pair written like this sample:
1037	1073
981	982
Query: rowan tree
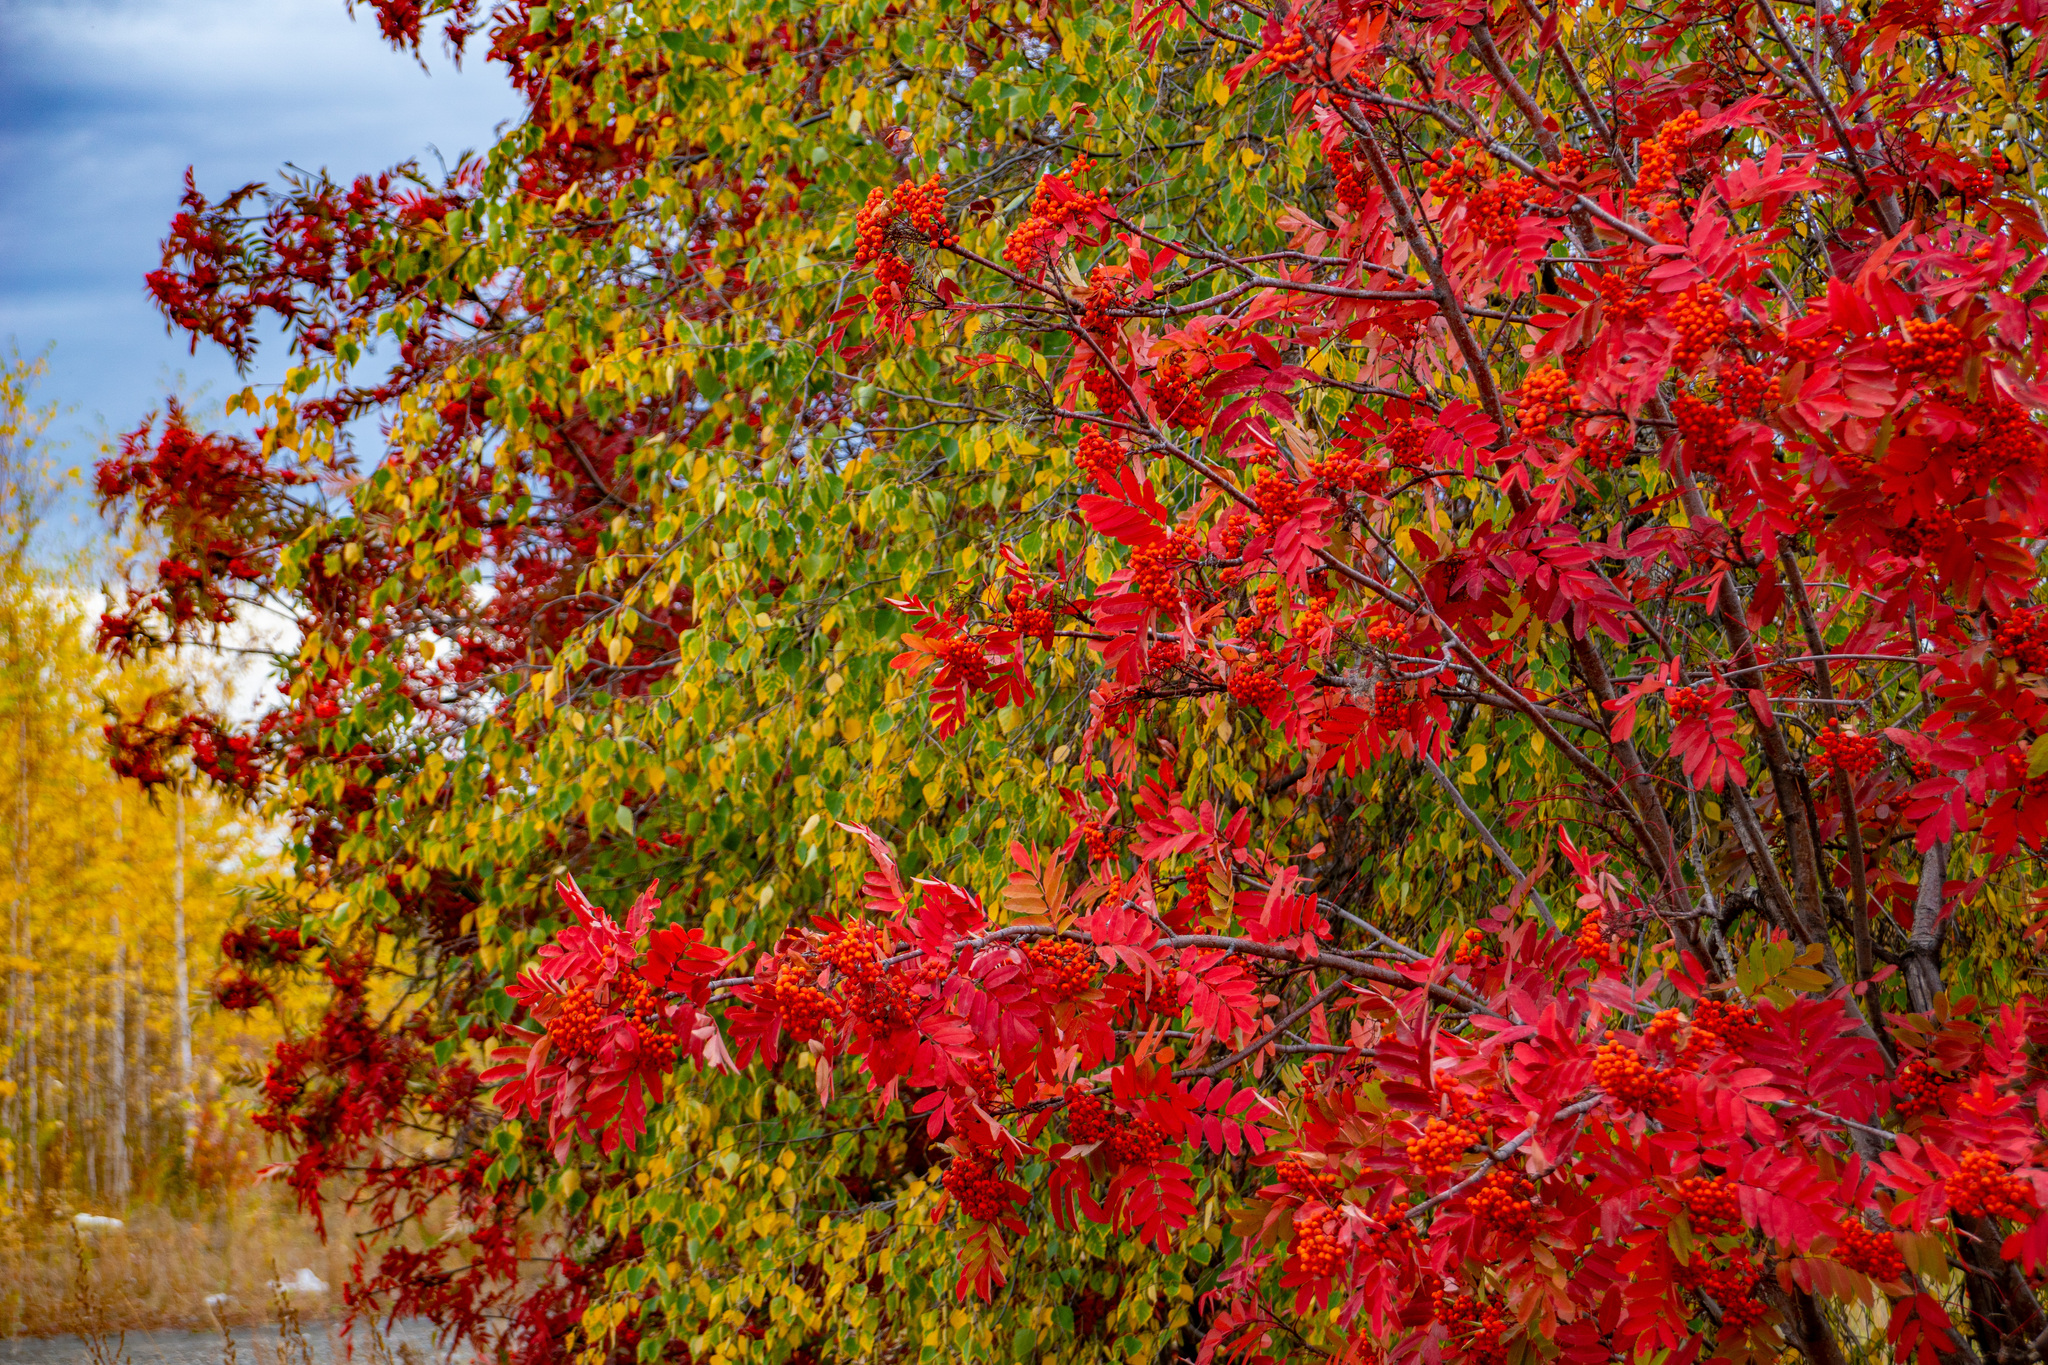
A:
1357	680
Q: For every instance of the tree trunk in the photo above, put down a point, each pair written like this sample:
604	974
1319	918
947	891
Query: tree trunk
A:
117	1052
187	1100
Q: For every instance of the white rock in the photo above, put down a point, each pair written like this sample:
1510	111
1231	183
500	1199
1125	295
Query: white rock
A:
305	1282
93	1222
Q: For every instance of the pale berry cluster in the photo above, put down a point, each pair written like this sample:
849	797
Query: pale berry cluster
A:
1851	753
1620	1070
978	1187
1700	316
1067	968
1937	349
2023	638
1504	1204
1100	456
1982	1187
1441	1147
1664	155
1870	1252
1545	399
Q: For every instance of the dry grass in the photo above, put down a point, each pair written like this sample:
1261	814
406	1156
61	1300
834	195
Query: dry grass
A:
159	1269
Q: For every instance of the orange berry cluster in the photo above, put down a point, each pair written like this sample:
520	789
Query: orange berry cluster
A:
1350	186
1591	939
1472	950
643	1007
1937	349
1174	393
1663	155
2023	638
1813	346
1153	572
1495	211
1981	1187
1032	622
1104	841
978	1187
1100	456
1289	48
1870	1252
1852	753
1387	633
1717	1026
1700	316
1620	1070
1623	297
1313	1181
1316	1247
1504	1204
1545	399
1687	703
1707	429
577	1025
1460	170
1441	1147
1164	655
1051	212
855	952
1279	498
804	1008
1253	688
966	656
1409	442
1711	1204
906	211
1345	470
1066	967
1744	383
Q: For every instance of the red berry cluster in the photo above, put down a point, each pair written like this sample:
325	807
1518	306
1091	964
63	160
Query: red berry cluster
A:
1408	442
1938	349
1067	968
1123	1140
1175	393
1665	154
1441	1147
1350	185
1254	688
1711	1205
240	993
1316	1247
1056	206
1982	1187
2008	440
1393	708
1700	316
1476	1330
1345	470
1620	1070
966	656
1851	753
1717	1026
1504	1204
1687	703
577	1025
1708	430
2023	638
1544	400
1731	1283
1917	1089
1744	384
1870	1252
1100	456
1495	211
1154	572
1164	655
977	1185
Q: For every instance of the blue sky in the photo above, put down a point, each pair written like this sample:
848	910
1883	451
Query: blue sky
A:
103	103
